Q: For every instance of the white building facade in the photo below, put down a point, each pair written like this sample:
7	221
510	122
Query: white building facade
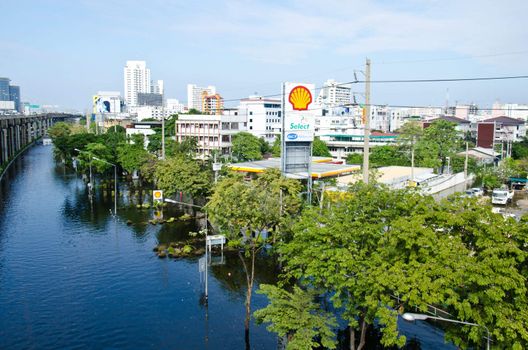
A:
195	93
334	94
263	116
212	132
136	79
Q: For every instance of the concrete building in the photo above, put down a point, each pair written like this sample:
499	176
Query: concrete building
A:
11	93
195	93
340	145
174	106
136	80
157	87
149	112
212	104
14	95
511	110
144	128
334	94
507	129
462	125
212	132
4	89
263	116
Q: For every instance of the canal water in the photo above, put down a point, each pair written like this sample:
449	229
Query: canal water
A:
73	277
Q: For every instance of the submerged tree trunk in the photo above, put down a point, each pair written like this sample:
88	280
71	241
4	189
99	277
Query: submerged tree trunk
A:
352	338
362	340
250	277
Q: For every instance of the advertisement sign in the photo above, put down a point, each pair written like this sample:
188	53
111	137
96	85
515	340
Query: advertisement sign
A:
298	119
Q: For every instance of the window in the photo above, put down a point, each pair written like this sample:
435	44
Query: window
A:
250	113
250	128
251	120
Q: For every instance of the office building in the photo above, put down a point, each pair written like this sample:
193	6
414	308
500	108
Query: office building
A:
136	80
195	96
263	116
212	132
334	94
4	89
14	95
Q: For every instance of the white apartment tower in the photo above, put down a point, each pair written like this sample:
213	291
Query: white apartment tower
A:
137	79
194	95
334	94
263	116
156	87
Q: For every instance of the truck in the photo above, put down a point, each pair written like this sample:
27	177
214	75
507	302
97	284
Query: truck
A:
501	196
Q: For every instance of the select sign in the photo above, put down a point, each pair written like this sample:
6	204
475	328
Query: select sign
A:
298	119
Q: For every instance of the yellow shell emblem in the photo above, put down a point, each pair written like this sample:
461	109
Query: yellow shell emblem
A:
300	97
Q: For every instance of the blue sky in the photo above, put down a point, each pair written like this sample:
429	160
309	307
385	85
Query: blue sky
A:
63	51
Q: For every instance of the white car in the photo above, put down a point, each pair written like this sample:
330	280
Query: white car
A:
501	197
477	192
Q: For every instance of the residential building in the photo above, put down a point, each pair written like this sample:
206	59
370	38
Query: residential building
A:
379	118
174	106
195	93
511	110
334	94
506	129
149	112
462	125
212	132
263	116
212	104
157	87
136	80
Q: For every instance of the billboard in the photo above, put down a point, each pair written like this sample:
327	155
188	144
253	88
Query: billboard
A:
298	119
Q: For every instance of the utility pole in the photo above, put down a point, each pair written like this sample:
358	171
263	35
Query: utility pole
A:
412	159
162	132
367	124
466	162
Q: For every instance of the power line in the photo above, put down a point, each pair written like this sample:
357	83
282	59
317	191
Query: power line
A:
446	79
454	58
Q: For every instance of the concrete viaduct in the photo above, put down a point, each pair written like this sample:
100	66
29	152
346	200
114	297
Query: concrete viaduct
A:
18	131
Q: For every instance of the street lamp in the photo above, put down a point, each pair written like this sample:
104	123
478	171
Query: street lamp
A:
115	181
168	200
421	317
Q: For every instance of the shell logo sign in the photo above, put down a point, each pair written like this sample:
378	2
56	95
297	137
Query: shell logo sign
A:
157	195
300	98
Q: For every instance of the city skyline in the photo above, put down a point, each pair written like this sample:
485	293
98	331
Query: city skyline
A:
67	51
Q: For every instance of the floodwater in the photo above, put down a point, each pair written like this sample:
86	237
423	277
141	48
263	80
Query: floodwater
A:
74	277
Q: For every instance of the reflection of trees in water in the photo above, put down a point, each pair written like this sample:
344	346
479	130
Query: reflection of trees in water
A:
232	277
373	340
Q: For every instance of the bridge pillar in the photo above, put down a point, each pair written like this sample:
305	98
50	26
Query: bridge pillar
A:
3	146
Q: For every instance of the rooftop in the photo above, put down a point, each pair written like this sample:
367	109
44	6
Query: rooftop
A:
321	167
504	120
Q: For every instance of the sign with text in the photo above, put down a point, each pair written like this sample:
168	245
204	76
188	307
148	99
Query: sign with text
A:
298	119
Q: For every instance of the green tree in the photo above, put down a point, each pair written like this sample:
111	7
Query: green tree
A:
181	174
188	148
409	134
520	149
334	248
246	147
442	140
297	317
276	147
194	111
132	156
245	211
320	149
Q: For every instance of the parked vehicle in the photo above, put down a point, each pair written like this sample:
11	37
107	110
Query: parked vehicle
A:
477	191
501	196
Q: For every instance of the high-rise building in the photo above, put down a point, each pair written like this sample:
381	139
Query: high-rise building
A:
14	95
195	96
334	94
150	99
4	89
136	79
156	87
